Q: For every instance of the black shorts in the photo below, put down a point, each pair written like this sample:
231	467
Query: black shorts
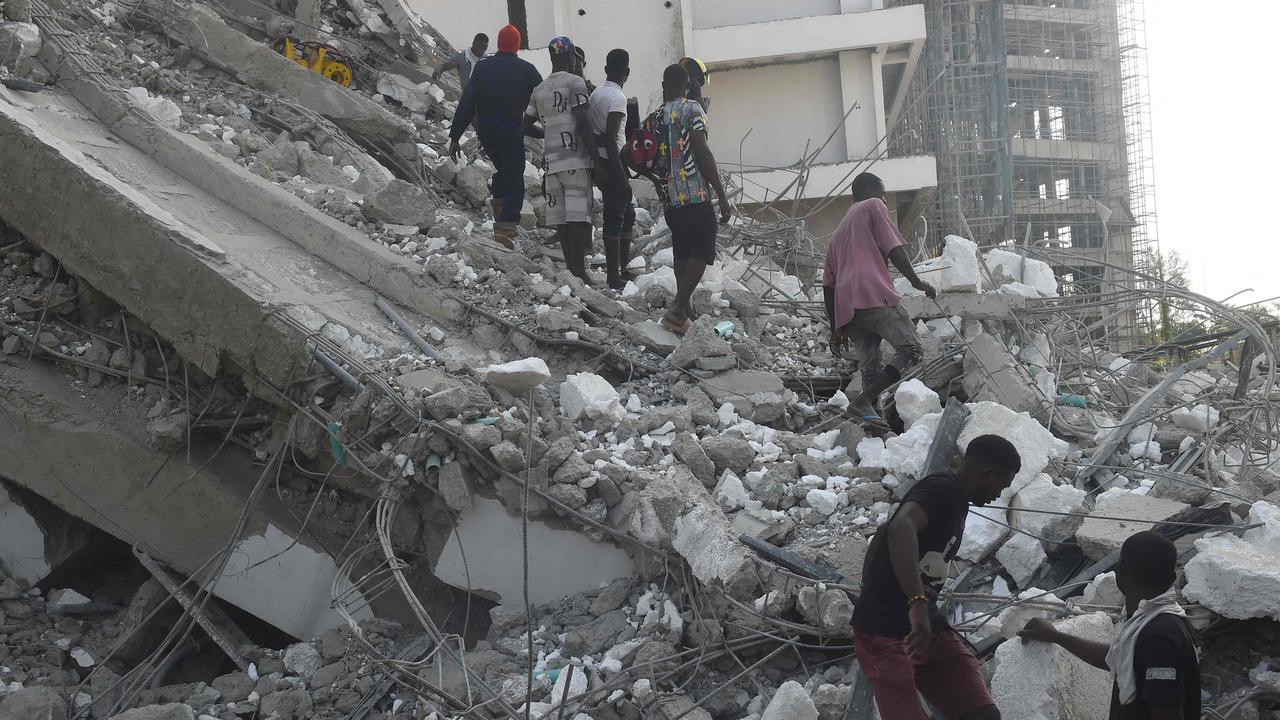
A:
619	213
693	231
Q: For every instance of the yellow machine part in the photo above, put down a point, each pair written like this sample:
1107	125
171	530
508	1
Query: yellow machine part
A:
316	57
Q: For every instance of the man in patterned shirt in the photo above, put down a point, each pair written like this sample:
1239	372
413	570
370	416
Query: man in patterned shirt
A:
690	177
561	103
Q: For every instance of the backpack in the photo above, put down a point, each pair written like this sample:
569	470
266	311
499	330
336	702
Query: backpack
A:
642	146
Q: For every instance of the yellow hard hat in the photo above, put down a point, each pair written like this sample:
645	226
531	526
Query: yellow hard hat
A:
702	68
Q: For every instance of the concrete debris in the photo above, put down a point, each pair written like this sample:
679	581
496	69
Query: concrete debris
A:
1237	577
1044	682
518	376
202	331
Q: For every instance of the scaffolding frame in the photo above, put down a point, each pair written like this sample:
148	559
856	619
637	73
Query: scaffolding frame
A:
1041	127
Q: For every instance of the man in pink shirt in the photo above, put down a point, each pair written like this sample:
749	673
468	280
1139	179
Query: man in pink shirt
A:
862	304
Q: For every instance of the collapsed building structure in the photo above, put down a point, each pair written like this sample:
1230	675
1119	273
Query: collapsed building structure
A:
283	434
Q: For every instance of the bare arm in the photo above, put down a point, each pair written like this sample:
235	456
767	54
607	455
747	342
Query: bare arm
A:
898	256
1094	653
903	538
707	166
531	127
582	121
446	66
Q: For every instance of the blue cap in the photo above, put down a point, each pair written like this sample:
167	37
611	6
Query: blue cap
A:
560	45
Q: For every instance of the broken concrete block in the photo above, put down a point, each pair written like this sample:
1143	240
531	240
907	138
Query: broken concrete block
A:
904	455
960	266
730	492
699	343
43	703
653	336
168	434
473	182
1239	577
19	45
729	452
454	487
448	403
983	532
991	373
690	452
1098	537
1007	266
828	609
1201	418
914	400
824	502
1022	556
1036	445
401	203
302	659
1103	590
755	395
1042	493
706	539
518	376
586	395
791	702
1037	681
168	711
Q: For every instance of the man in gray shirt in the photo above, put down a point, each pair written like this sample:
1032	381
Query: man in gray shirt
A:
464	61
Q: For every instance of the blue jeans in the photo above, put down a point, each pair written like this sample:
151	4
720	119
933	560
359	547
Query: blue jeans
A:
507	154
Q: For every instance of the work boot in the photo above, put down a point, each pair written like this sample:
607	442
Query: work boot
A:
612	264
495	204
504	233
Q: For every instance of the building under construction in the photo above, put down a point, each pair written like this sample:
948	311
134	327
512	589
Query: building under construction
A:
1037	113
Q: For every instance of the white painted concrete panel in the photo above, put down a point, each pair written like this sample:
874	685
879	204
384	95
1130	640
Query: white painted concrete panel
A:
716	13
290	590
784	106
781	39
21	542
561	562
909	173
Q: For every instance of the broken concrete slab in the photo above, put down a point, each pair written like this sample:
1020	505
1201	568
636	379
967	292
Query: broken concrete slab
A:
1035	444
991	373
1038	681
706	539
1238	577
1098	537
985	306
482	548
260	67
791	702
755	394
401	203
653	336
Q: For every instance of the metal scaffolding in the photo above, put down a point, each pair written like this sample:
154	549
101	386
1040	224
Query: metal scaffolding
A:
1040	124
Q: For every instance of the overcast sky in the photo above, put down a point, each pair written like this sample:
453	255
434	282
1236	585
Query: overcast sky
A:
1214	89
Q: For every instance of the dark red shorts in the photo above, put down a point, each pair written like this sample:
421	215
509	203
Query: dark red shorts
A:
949	678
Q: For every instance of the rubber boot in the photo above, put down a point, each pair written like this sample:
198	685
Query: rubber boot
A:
504	233
624	257
611	264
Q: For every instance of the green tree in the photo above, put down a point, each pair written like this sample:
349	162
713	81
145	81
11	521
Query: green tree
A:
1173	320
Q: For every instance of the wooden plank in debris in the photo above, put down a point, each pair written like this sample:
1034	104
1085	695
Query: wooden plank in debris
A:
225	633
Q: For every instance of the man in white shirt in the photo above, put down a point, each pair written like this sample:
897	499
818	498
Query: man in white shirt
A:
561	103
608	122
464	61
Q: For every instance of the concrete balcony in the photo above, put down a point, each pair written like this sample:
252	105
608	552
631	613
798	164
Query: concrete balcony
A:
898	174
796	38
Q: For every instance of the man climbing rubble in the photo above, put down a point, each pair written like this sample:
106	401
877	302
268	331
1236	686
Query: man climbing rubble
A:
496	98
685	176
464	61
1155	672
862	304
902	640
562	104
608	122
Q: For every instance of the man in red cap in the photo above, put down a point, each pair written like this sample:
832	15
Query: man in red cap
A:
496	99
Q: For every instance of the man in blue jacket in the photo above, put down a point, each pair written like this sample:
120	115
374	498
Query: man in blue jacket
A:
496	98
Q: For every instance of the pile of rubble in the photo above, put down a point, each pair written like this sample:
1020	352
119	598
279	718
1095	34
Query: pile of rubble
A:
718	495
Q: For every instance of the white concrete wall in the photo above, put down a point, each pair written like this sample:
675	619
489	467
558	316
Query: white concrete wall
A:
784	106
858	87
21	542
715	13
460	21
561	562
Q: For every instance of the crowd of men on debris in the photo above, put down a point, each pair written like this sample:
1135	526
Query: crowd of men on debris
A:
594	135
